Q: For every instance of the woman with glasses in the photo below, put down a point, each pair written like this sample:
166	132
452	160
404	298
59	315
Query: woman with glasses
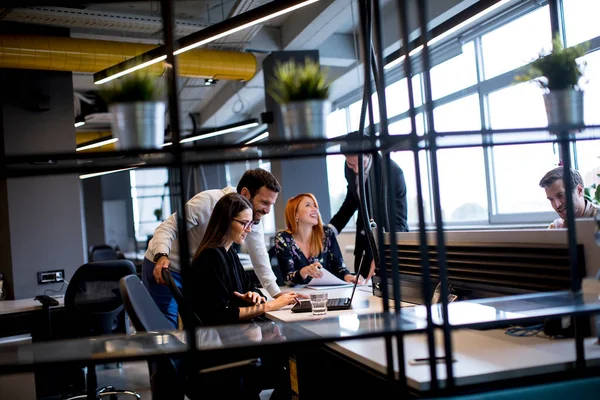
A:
307	246
227	295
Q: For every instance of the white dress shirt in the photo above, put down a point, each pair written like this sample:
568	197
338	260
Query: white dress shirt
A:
198	211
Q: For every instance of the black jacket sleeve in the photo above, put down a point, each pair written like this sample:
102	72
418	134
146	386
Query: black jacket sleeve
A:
213	298
350	204
400	197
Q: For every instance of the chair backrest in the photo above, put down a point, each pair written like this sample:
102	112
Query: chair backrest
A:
188	317
93	300
102	252
141	308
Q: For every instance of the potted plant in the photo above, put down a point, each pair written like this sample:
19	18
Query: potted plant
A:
302	91
559	74
137	111
158	214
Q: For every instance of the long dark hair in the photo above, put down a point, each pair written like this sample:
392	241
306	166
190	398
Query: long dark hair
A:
219	223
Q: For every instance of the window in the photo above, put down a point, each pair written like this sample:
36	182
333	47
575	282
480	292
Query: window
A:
516	43
336	123
396	96
406	161
149	192
581	20
455	74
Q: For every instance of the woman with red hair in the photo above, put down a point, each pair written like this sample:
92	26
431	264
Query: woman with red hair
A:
306	246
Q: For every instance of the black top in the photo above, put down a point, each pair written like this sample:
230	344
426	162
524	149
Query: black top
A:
216	274
292	259
352	201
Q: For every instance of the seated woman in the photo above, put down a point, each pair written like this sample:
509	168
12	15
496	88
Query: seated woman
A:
227	295
306	246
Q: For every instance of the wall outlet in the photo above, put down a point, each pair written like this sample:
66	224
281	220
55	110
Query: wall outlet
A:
51	276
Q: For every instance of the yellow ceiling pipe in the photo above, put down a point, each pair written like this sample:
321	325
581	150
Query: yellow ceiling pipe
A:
87	55
86	137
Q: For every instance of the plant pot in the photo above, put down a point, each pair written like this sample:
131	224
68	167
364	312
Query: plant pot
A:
564	107
305	119
138	125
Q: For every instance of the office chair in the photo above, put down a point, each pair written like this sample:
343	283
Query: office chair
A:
94	307
188	317
102	252
172	378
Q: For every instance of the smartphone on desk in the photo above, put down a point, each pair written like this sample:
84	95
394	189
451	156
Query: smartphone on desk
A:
425	361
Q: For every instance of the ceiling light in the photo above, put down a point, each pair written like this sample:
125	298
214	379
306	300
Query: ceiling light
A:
226	27
95	174
258	138
220	131
449	32
96	143
210	81
78	124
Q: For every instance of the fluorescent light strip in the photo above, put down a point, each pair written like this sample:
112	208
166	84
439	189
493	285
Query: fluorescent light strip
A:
401	58
258	138
93	175
78	124
127	71
450	31
241	27
218	133
99	144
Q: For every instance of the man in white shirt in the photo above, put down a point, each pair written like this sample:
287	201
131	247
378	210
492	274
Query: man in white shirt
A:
257	185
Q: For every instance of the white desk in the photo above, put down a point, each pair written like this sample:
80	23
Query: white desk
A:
25	305
481	356
362	303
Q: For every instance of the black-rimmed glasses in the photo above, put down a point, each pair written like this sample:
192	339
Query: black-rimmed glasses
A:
245	225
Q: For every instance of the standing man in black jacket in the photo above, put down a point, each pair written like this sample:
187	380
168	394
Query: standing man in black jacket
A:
374	199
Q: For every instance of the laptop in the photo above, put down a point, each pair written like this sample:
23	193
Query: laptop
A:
337	303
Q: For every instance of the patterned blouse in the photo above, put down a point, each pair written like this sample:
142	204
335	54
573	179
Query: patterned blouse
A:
292	259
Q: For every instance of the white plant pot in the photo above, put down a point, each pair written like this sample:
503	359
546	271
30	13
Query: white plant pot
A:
564	107
305	119
138	125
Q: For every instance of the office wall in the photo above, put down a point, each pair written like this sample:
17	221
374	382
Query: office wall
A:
116	190
44	213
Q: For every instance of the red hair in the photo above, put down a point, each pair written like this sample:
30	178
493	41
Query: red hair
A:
318	234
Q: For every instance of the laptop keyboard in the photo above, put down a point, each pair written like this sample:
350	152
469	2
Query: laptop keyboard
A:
338	302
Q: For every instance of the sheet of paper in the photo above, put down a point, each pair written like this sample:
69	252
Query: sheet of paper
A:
329	287
328	279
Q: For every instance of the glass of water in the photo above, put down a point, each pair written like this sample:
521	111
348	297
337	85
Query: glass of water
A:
318	303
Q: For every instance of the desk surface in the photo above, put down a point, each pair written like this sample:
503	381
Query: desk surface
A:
25	305
481	356
363	303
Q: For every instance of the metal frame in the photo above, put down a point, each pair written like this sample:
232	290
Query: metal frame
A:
386	144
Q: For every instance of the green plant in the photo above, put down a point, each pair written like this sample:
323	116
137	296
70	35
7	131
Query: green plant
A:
299	82
557	70
592	194
134	87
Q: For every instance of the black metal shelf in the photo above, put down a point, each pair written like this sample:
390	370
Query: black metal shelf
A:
72	162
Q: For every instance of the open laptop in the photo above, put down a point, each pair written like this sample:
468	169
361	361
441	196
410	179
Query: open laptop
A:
337	303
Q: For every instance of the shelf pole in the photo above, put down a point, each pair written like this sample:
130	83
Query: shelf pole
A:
423	247
171	74
387	206
441	247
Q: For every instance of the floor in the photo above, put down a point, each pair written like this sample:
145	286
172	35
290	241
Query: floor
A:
134	376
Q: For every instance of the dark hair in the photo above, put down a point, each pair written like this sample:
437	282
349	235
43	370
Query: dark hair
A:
558	173
353	146
217	230
254	179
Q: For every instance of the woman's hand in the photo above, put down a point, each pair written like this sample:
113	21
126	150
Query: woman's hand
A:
285	299
352	278
251	297
313	270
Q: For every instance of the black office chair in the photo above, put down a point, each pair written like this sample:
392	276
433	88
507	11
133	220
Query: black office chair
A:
94	307
102	252
172	378
188	317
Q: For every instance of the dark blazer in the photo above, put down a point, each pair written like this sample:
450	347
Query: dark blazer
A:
351	203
